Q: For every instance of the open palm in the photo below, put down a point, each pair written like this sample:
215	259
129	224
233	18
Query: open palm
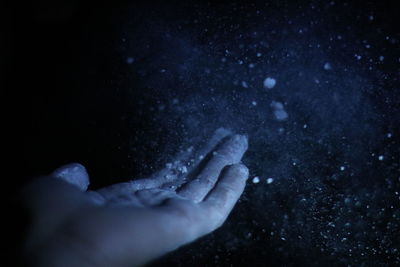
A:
131	223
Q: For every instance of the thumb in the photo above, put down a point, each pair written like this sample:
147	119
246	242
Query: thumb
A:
73	173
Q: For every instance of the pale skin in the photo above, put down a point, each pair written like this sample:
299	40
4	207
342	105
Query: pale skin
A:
129	224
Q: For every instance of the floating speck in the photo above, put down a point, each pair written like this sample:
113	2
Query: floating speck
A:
269	83
256	180
381	58
279	111
342	168
258	54
389	135
276	105
280	114
254	103
380	157
327	66
129	60
244	84
270	180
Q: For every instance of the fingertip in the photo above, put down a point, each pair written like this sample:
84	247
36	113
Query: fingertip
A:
240	140
246	137
239	169
246	141
222	132
73	173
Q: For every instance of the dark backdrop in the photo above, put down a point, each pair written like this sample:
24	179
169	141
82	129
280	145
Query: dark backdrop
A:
121	86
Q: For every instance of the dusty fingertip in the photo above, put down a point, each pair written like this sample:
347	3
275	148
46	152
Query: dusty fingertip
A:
75	167
73	173
240	169
237	138
245	139
240	139
222	132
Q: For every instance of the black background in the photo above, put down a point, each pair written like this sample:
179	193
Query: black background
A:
75	99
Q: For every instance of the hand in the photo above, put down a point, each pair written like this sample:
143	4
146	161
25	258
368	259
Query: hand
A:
130	223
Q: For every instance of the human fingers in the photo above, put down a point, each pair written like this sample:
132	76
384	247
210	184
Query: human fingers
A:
222	198
188	221
229	152
194	166
168	178
73	173
184	164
